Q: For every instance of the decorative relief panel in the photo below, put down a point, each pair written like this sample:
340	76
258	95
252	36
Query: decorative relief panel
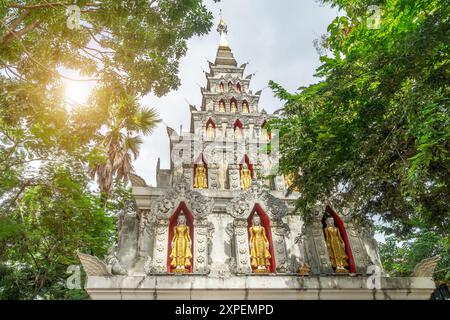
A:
315	245
199	204
159	263
241	205
234	177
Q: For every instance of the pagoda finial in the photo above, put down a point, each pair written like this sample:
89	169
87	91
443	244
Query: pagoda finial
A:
222	29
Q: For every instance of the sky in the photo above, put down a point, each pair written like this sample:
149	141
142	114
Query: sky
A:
276	37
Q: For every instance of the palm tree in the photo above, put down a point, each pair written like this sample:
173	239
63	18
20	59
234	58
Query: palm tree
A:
127	119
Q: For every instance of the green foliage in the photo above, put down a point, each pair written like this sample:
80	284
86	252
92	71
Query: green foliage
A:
400	259
375	129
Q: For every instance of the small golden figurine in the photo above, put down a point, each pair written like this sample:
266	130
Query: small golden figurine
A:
181	253
210	131
259	247
221	106
233	106
336	247
304	269
200	181
221	87
245	107
246	177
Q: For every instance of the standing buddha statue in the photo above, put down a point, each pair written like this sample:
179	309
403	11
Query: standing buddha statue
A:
181	253
259	247
246	177
336	247
200	181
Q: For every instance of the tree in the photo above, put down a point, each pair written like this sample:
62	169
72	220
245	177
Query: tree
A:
375	129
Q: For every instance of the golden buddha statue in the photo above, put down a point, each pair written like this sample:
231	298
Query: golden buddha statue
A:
246	177
181	254
245	108
233	107
221	106
336	247
237	133
221	87
259	247
210	131
200	181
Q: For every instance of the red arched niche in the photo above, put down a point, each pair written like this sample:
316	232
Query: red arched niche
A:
265	222
200	159
182	208
340	224
246	160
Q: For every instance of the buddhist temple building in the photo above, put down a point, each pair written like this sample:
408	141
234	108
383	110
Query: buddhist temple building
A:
221	224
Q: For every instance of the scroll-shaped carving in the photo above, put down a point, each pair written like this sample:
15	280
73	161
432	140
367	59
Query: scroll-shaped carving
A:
242	204
198	203
425	268
92	265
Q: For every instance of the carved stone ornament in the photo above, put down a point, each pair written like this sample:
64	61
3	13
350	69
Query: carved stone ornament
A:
196	201
425	268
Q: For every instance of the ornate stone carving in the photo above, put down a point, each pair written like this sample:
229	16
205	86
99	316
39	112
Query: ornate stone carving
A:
137	181
113	264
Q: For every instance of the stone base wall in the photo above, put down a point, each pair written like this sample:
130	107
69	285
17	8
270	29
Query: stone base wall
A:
268	287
